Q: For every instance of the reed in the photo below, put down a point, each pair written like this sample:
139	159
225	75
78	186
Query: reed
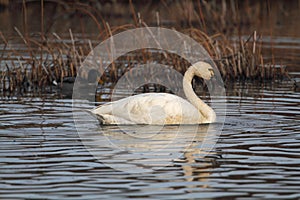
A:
47	58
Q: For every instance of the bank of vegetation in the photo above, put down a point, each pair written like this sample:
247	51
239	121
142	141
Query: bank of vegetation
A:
35	60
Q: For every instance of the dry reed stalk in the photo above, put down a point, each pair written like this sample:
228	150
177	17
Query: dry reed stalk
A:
73	49
133	12
202	19
3	38
86	9
42	30
111	53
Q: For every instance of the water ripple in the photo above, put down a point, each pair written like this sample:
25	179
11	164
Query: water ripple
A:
256	156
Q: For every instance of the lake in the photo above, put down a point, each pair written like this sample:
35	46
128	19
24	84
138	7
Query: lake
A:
256	156
46	152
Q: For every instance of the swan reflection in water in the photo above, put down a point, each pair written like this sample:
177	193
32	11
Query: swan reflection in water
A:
144	148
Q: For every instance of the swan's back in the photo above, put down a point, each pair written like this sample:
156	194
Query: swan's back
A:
149	108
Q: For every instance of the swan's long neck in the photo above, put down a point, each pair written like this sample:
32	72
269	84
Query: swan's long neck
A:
206	111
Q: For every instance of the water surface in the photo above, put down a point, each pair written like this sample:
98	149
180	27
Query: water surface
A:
256	156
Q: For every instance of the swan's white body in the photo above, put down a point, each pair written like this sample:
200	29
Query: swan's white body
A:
162	108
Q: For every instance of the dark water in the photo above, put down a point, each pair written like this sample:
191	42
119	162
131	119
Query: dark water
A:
257	155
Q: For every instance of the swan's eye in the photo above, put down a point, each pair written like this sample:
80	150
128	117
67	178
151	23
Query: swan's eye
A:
212	73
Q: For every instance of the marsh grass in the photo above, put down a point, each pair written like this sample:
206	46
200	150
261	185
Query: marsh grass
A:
44	59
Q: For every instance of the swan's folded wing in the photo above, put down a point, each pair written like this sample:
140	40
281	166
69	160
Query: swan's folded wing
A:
141	109
149	108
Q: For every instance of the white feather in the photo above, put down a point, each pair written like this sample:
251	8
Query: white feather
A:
161	108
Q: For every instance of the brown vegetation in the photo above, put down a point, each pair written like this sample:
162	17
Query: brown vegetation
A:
41	59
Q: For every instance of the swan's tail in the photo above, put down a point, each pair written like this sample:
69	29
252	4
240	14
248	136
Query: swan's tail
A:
100	118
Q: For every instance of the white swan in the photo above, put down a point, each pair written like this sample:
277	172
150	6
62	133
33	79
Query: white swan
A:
162	108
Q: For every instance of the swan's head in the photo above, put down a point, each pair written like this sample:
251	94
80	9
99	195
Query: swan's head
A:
203	70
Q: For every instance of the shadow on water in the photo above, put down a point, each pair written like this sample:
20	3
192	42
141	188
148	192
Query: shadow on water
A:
256	155
140	149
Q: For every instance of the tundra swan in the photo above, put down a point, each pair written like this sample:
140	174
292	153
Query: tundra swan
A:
162	108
